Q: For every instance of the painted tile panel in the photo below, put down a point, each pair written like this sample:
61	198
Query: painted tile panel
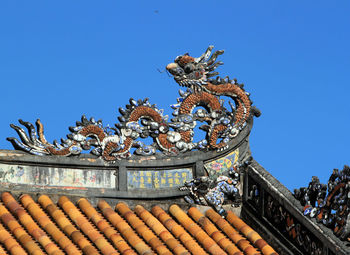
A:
157	179
60	177
221	166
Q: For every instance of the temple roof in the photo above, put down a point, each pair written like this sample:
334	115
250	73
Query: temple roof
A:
117	199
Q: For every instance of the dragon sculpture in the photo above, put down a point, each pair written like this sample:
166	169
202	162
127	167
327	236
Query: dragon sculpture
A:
140	119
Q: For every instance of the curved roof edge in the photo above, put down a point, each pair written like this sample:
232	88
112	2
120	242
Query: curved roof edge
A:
270	206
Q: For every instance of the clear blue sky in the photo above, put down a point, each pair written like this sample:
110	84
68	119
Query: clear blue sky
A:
62	59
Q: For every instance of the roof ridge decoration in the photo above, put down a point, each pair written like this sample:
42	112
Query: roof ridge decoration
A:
140	119
215	192
329	203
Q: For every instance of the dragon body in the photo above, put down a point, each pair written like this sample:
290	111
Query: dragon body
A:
140	119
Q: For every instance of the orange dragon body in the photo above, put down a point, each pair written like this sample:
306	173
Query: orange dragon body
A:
140	119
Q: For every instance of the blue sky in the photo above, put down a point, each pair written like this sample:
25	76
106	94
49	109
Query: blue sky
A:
59	60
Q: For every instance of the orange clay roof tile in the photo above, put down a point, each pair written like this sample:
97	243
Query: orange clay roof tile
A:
178	231
41	227
161	231
105	227
119	223
250	234
213	232
208	243
20	234
65	225
9	243
232	233
2	251
142	229
83	223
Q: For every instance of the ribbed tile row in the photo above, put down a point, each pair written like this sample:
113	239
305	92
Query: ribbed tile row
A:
44	227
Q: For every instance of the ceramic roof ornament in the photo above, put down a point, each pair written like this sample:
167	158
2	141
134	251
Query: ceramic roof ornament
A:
140	119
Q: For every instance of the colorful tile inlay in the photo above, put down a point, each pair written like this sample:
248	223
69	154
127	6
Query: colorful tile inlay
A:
154	179
222	165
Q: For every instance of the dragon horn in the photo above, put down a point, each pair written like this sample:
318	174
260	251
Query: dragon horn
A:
40	129
31	130
205	55
214	56
21	133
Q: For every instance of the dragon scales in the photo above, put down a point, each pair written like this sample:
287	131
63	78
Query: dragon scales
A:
140	119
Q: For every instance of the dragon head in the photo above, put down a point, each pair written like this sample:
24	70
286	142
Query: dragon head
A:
193	72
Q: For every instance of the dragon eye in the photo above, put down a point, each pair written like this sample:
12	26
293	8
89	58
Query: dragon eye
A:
189	68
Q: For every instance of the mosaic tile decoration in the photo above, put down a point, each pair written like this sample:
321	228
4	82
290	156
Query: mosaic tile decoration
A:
221	166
